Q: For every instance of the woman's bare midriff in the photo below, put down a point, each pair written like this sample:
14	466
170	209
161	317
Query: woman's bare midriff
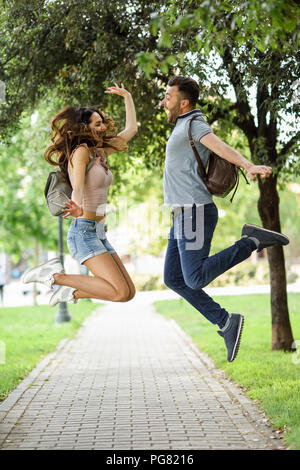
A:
92	216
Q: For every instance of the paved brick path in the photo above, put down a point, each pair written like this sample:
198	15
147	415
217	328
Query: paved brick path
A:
130	380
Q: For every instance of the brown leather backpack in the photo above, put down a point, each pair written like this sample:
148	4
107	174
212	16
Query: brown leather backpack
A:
221	176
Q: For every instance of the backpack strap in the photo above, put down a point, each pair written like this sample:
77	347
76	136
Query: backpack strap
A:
192	144
90	164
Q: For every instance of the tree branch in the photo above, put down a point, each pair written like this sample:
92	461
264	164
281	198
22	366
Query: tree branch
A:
272	127
15	53
289	145
261	96
216	112
244	120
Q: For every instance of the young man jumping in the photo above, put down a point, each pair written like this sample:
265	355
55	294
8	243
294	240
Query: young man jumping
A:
188	266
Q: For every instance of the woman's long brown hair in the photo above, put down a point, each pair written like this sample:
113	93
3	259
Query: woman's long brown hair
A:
70	128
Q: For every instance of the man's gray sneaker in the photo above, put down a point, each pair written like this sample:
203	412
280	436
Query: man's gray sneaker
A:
43	273
263	237
63	294
232	335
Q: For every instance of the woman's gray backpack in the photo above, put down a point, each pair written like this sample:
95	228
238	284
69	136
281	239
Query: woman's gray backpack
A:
58	190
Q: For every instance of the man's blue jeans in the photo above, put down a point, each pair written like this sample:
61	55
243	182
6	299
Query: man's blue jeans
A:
188	266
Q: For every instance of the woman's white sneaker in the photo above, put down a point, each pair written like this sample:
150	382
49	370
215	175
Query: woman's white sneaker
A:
63	294
43	273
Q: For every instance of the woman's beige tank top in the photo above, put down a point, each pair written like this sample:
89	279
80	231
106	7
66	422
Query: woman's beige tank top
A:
96	184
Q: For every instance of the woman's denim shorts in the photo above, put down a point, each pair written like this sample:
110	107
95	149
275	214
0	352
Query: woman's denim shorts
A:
86	238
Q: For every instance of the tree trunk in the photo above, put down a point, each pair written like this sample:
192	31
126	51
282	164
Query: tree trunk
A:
268	208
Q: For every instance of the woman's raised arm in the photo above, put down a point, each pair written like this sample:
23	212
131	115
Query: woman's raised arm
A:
131	124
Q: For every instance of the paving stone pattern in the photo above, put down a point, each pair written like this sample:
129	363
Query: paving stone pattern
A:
130	379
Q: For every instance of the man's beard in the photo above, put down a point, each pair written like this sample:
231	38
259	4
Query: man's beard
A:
173	115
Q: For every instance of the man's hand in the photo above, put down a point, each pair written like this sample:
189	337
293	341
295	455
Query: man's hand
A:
73	209
261	170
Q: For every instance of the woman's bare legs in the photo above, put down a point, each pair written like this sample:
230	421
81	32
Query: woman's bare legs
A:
108	282
125	275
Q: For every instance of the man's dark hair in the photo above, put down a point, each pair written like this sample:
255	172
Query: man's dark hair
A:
188	87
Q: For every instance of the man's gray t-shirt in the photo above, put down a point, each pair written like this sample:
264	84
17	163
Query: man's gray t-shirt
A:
182	182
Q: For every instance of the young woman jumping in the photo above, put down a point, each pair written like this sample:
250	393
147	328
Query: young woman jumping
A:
79	134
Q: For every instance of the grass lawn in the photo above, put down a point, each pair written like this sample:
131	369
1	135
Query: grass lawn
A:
270	377
29	333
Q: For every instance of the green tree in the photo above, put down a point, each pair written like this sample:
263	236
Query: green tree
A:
77	48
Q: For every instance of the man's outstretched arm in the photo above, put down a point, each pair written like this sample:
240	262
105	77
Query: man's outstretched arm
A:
219	147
